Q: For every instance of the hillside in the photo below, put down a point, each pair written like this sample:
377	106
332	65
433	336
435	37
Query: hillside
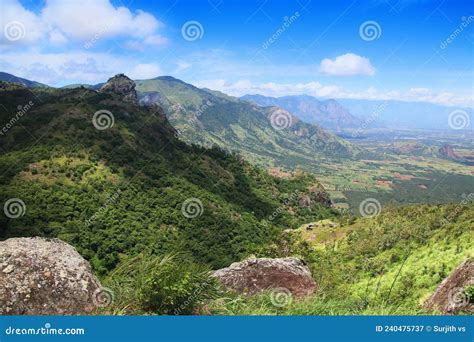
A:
389	264
6	77
113	179
266	135
329	114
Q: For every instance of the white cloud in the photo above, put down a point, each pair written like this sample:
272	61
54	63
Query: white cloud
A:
72	67
317	89
145	71
18	25
347	65
57	38
83	21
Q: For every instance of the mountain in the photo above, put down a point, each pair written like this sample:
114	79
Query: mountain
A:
112	179
6	77
411	115
329	114
266	135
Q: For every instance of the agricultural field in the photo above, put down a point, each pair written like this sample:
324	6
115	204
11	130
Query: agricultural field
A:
404	172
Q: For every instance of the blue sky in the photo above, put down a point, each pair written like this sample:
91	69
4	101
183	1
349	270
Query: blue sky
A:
318	47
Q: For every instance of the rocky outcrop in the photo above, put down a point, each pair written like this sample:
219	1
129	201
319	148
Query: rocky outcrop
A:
451	297
123	86
41	276
255	275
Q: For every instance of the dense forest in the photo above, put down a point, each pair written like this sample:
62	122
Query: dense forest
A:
154	215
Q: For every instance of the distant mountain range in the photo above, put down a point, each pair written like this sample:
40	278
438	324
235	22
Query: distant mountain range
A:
335	115
6	77
268	135
329	114
407	115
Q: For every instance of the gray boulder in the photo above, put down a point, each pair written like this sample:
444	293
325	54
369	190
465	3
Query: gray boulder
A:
255	275
451	297
41	276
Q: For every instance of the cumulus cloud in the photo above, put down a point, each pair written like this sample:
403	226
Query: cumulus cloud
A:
243	87
144	71
347	65
85	20
71	67
18	25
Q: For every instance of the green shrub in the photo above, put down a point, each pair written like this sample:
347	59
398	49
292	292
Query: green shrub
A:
166	285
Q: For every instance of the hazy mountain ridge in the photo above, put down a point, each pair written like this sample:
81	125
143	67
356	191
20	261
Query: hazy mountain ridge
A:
6	77
408	115
328	113
211	117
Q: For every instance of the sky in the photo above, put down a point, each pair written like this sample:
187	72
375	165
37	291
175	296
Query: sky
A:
410	50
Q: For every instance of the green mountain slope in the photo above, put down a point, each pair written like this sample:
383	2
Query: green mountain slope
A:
267	135
389	264
132	185
6	77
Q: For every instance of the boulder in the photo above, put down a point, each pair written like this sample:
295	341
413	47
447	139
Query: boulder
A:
123	86
41	276
255	275
450	296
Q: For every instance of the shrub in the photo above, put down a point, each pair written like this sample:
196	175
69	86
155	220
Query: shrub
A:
168	285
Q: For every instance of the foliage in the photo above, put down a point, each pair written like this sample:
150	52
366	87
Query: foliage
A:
169	285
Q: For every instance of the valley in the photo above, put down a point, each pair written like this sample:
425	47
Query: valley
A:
173	177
